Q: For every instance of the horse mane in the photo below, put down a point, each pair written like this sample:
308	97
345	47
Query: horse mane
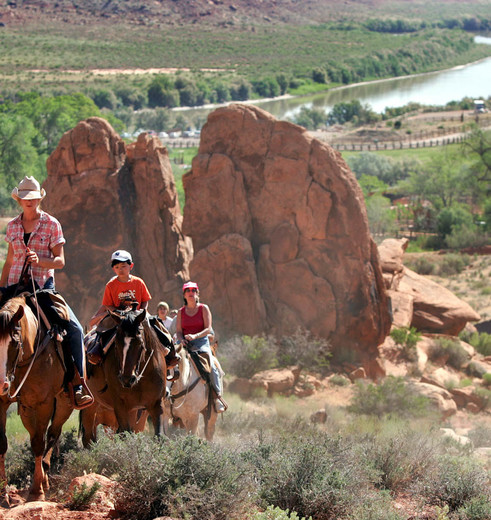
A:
8	309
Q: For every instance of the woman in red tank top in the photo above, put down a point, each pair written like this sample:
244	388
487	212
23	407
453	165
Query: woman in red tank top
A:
193	325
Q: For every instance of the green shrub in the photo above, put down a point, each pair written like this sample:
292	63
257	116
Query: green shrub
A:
275	513
455	482
407	338
303	349
453	263
339	380
391	397
486	379
185	478
311	474
245	356
450	348
399	457
422	265
481	342
83	496
485	395
478	508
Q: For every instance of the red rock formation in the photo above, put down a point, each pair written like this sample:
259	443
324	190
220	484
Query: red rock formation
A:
418	301
108	196
280	233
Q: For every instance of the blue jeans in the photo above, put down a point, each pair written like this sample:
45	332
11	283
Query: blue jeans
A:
203	345
74	336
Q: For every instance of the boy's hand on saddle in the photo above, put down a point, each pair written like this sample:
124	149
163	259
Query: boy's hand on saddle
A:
190	337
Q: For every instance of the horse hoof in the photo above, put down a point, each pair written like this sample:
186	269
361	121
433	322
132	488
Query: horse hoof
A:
36	497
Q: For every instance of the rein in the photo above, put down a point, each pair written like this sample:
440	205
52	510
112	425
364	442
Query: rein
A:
19	346
187	390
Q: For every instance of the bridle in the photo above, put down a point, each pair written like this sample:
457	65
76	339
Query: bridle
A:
139	337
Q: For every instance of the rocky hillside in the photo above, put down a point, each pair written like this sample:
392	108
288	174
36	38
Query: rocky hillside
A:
214	12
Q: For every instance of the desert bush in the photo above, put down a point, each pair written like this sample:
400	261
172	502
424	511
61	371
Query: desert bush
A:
274	513
83	496
375	506
310	474
244	356
407	338
455	482
457	355
422	265
391	397
399	457
485	395
486	379
305	350
185	478
481	342
339	380
478	508
453	263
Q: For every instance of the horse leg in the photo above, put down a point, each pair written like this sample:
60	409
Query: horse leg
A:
122	417
88	425
36	423
4	498
210	424
159	419
63	410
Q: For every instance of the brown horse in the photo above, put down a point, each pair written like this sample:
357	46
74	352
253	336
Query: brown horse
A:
133	374
34	370
97	414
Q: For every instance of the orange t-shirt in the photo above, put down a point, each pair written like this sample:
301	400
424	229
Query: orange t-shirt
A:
117	292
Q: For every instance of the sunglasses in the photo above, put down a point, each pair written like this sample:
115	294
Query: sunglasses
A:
191	290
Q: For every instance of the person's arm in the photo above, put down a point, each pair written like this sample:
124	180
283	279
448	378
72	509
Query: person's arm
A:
57	262
207	323
6	266
179	334
144	305
97	317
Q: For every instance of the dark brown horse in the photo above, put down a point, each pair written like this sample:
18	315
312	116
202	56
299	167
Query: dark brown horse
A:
31	366
133	374
96	414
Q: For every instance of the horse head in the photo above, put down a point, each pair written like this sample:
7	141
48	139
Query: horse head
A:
10	343
130	345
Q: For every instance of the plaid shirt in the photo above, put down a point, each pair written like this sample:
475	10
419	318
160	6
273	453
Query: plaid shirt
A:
46	235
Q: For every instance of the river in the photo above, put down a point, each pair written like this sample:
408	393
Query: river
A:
435	88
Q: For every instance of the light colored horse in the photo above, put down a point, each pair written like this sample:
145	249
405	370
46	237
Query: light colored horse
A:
190	397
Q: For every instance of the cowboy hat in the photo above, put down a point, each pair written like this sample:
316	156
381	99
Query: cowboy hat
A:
28	189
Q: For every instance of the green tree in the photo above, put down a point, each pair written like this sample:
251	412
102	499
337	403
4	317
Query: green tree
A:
444	181
53	116
18	156
310	118
478	148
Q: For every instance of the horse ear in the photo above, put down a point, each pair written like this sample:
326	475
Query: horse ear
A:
141	316
115	316
19	313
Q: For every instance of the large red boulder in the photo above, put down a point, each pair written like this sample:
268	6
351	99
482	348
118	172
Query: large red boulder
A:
110	196
280	233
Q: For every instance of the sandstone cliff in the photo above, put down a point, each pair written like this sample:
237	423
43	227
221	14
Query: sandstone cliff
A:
108	196
280	233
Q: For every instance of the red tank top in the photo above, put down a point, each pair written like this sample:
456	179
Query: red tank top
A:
192	324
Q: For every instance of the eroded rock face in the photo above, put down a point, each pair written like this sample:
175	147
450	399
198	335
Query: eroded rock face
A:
108	196
280	233
418	301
